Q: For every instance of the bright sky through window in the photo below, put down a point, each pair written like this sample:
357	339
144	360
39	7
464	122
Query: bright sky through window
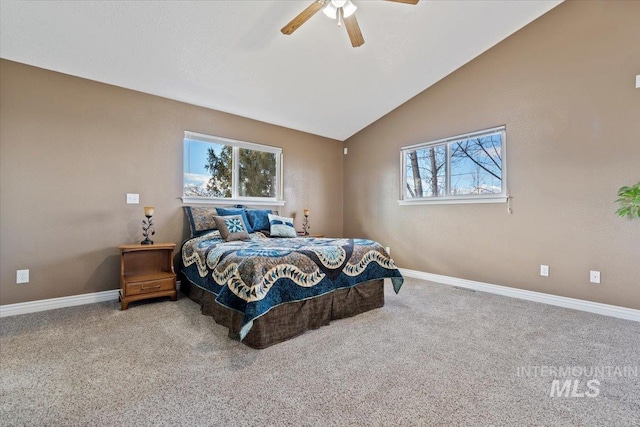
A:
469	167
226	170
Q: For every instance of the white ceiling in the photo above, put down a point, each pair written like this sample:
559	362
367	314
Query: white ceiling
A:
231	56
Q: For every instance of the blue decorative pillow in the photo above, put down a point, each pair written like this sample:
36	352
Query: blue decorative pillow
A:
281	226
232	227
259	219
200	219
236	211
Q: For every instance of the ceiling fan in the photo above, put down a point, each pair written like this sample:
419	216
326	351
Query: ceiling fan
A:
342	10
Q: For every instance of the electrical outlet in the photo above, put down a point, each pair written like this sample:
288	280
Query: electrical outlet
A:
594	276
133	198
22	276
544	270
388	249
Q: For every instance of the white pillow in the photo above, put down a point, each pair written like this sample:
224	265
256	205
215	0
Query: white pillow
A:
281	226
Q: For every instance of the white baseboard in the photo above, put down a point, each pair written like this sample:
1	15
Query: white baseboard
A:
576	304
53	303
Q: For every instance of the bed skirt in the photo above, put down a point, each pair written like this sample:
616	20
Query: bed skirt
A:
294	318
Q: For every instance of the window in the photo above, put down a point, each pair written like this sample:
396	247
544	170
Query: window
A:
462	169
223	170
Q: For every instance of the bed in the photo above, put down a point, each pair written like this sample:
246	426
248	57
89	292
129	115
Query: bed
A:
266	290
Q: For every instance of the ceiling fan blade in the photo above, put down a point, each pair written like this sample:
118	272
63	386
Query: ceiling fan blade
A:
406	1
351	23
303	17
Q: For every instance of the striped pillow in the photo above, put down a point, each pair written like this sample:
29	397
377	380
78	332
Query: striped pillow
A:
281	226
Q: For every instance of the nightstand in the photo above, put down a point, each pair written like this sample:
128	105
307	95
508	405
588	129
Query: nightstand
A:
146	271
310	235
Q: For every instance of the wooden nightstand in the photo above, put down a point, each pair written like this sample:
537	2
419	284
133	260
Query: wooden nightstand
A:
146	271
310	235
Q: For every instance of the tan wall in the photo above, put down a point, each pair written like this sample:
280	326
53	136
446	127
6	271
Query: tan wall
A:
72	148
564	87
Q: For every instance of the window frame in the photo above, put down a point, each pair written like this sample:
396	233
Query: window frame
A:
235	197
502	197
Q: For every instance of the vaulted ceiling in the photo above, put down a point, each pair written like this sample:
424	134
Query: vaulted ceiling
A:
231	56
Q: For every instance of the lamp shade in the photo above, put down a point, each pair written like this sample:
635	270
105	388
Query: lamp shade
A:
331	9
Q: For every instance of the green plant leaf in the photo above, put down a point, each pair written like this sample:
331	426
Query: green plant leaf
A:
629	201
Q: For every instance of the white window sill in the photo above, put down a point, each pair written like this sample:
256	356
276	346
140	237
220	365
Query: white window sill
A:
239	201
455	200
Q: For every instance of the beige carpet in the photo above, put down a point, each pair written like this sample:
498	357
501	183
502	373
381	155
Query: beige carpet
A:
434	355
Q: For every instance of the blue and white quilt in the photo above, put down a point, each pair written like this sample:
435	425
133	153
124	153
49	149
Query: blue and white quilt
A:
256	275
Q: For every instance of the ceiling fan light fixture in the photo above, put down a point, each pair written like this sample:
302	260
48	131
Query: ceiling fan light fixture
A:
349	8
331	9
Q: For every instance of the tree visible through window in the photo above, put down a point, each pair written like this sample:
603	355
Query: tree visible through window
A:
256	173
470	165
222	168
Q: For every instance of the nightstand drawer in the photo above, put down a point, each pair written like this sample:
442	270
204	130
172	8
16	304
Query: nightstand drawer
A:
138	288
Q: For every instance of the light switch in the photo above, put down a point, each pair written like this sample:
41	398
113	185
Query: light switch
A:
133	199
